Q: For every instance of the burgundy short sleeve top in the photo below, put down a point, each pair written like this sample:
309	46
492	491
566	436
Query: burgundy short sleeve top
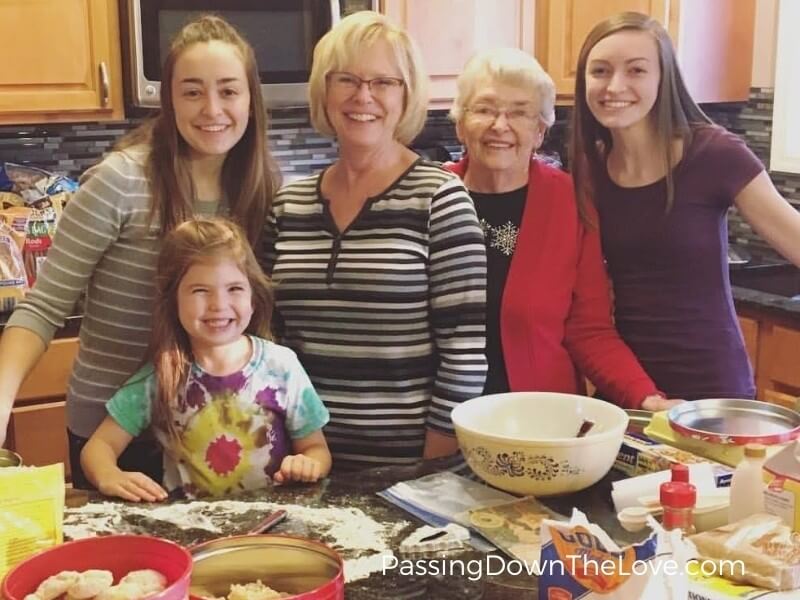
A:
673	303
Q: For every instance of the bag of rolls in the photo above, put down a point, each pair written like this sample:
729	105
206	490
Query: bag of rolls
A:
759	550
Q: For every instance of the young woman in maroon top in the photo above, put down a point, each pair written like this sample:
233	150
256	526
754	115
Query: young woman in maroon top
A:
548	307
663	177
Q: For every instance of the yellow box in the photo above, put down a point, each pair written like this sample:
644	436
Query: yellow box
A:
31	512
639	455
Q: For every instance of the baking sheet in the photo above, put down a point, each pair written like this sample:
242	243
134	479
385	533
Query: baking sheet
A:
734	421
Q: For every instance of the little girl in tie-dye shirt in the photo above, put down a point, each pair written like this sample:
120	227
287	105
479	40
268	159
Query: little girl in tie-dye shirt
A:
231	409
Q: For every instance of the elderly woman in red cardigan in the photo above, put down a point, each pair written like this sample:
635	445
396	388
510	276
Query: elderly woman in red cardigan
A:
548	303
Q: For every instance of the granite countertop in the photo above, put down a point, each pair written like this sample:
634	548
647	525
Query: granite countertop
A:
358	491
771	286
777	305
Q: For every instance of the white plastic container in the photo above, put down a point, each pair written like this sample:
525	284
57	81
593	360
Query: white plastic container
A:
747	484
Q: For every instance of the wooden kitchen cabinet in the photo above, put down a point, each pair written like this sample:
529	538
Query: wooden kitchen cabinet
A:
710	36
60	61
562	25
773	343
449	32
749	329
38	427
778	378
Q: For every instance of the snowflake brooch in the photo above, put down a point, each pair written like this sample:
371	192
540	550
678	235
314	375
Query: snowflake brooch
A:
504	238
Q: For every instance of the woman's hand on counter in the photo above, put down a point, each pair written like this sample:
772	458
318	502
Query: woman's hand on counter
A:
656	403
129	485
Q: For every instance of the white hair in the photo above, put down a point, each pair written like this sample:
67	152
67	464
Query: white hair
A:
510	66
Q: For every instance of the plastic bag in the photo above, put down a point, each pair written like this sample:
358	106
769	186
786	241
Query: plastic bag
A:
580	560
13	277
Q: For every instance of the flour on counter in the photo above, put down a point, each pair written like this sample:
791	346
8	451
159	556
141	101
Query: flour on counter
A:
364	566
361	540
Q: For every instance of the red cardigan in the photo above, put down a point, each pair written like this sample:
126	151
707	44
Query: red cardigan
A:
556	308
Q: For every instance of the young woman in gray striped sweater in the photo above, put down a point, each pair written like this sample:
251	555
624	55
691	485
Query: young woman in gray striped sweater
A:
205	153
379	261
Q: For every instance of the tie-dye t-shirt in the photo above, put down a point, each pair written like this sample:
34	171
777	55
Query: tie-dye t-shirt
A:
234	429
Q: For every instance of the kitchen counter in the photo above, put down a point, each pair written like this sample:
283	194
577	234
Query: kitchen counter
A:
771	303
359	491
772	288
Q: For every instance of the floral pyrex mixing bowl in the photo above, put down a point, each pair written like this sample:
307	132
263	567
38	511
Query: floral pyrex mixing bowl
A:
525	442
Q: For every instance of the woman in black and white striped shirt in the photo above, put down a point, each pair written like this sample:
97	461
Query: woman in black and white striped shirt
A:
379	260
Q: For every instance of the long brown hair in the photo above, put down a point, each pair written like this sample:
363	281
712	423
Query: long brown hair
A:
675	112
250	178
169	350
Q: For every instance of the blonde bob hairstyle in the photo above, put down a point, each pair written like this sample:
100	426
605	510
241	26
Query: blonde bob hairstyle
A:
509	66
340	49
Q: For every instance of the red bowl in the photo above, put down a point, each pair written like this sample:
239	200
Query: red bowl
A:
306	569
119	554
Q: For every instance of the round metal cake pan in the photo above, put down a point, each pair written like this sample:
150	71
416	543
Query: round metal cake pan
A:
734	421
305	569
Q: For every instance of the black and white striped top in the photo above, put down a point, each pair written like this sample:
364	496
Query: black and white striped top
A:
387	316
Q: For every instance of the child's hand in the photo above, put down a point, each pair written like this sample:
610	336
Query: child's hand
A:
131	486
298	467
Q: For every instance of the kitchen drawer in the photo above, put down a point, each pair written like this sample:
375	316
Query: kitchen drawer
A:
38	433
50	376
780	359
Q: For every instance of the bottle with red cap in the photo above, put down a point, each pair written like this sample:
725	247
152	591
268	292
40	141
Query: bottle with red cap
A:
678	498
680	472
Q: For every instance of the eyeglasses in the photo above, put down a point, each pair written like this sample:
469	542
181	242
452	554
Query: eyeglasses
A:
378	86
486	114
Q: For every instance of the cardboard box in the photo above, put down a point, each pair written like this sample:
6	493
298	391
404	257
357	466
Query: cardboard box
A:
782	496
639	455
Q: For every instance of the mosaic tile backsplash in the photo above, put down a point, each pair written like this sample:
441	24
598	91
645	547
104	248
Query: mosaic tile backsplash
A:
71	149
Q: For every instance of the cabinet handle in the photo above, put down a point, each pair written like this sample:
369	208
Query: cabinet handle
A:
105	84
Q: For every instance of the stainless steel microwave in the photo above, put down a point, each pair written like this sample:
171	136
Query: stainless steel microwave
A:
283	34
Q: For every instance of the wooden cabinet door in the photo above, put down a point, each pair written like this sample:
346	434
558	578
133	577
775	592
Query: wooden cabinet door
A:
780	357
37	430
449	32
713	40
50	376
38	433
60	61
778	375
715	47
749	329
562	26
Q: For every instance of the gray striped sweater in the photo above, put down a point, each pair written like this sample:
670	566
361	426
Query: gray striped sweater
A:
101	245
387	317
